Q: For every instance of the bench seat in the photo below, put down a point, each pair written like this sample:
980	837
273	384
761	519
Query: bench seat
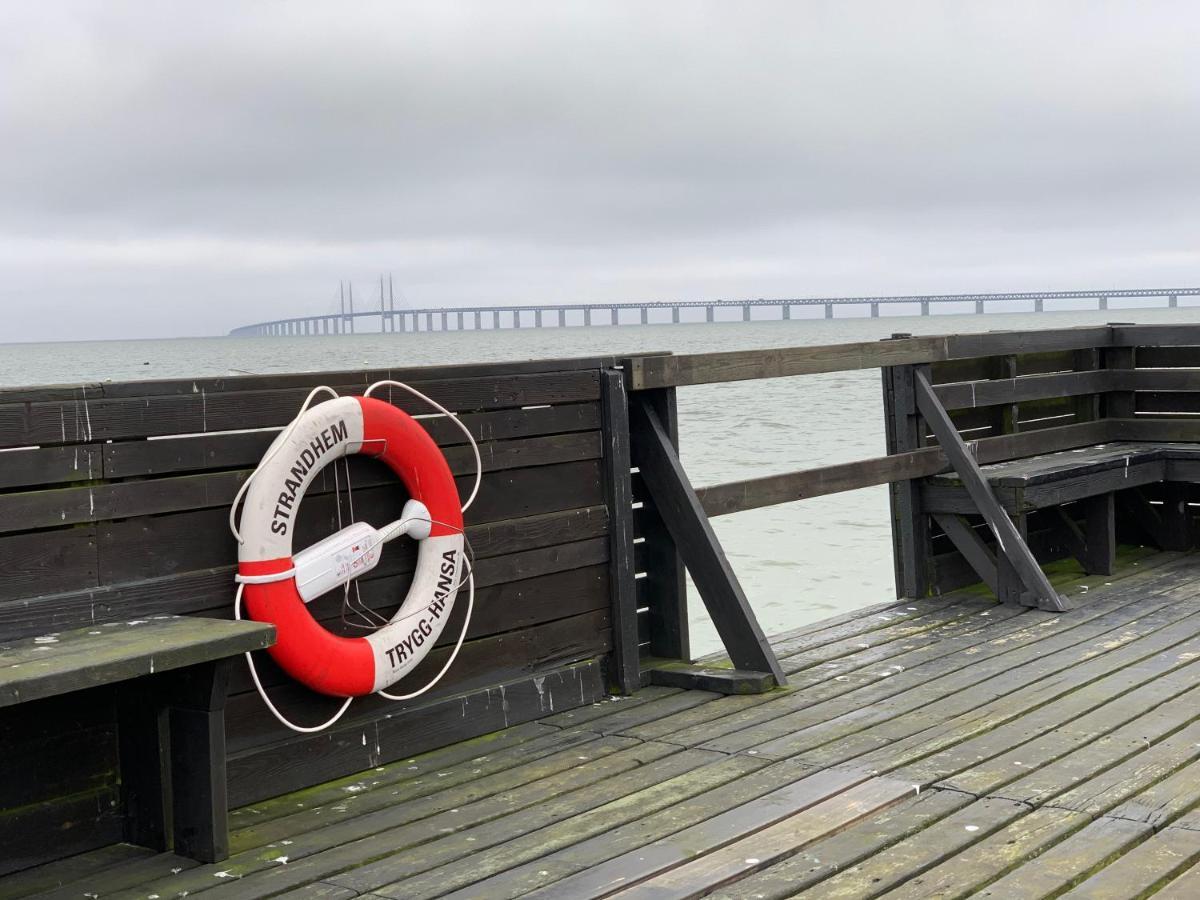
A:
1037	482
38	667
1104	480
170	675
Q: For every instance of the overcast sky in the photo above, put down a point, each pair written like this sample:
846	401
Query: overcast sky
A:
182	168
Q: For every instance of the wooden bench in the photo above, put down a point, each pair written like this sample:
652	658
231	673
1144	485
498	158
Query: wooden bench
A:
171	675
1103	480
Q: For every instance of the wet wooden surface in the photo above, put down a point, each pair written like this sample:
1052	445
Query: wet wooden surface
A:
947	747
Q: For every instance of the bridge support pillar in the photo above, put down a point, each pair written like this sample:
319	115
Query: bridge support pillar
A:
829	310
587	316
746	312
460	321
674	315
614	316
1172	302
710	313
429	321
445	321
562	317
645	311
478	320
874	310
537	318
1103	303
1039	305
979	307
495	319
786	315
924	307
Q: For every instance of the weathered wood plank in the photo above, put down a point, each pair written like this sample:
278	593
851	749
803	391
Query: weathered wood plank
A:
624	668
723	865
1139	871
255	774
88	420
1059	868
27	510
707	368
33	668
155	546
994	392
50	465
125	459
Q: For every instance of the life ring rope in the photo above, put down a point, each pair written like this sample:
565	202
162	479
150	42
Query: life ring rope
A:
389	532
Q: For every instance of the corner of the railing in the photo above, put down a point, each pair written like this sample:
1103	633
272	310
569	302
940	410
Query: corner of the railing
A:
640	371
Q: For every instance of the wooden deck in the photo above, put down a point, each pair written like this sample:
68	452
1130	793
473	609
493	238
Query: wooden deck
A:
945	747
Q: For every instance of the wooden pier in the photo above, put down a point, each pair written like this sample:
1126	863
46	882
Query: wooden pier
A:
1022	722
932	748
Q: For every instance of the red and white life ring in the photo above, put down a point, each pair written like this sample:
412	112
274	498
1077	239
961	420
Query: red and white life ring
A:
335	665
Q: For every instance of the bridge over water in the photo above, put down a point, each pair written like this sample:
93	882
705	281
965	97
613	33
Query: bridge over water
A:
389	319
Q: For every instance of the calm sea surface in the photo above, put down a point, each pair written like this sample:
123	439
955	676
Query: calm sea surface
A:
798	563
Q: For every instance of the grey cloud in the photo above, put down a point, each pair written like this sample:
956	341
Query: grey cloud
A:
235	160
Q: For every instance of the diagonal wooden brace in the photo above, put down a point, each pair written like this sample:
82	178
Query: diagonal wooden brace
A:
1009	542
697	543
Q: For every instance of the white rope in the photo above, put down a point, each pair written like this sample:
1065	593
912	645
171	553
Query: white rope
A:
262	692
453	418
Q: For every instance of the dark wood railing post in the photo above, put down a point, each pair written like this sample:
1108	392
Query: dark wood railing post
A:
665	585
624	664
910	526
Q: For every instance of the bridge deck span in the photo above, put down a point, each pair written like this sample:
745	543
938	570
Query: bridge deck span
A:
476	318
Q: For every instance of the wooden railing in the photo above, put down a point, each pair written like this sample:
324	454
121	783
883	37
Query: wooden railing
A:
1009	395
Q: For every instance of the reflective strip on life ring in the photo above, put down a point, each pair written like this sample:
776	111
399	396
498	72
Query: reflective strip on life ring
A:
341	666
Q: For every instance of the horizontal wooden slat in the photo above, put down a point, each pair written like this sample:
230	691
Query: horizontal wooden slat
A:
529	548
357	379
72	421
491	660
224	451
498	608
49	465
1166	357
153	546
258	773
118	500
1027	388
1166	402
1173	335
708	368
722	499
48	563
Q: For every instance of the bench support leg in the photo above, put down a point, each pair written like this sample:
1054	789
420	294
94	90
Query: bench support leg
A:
145	780
1094	545
1177	526
197	720
1010	544
1101	523
968	542
1162	527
